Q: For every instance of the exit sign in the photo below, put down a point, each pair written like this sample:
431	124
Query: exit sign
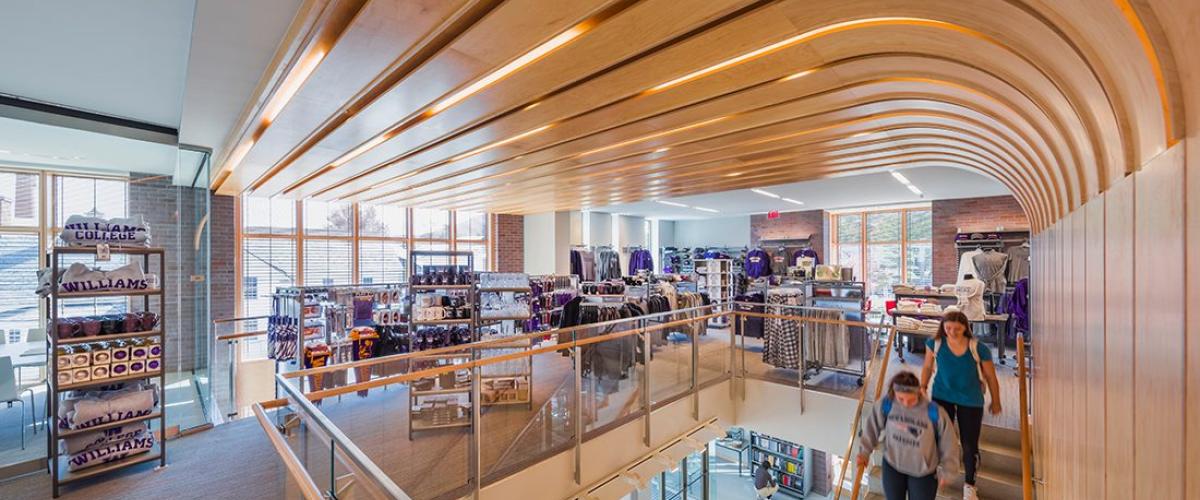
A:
772	215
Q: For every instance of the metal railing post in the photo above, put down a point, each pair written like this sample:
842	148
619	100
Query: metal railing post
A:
233	405
1026	445
743	356
578	414
476	430
646	403
695	374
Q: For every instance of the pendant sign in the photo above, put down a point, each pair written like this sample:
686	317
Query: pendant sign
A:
772	215
103	254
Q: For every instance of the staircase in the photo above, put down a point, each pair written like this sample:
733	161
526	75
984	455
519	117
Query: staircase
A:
999	475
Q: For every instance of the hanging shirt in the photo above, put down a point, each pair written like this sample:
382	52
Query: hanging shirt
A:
966	264
970	298
805	252
779	262
991	265
757	263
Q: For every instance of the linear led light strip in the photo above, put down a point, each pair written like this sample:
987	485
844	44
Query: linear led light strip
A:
681	205
524	60
904	180
287	90
773	195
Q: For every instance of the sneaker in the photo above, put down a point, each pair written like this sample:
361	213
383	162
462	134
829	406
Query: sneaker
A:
970	492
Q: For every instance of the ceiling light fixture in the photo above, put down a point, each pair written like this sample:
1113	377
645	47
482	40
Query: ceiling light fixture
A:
516	64
662	150
789	200
709	210
290	86
733	174
915	190
362	148
497	144
787	42
652	136
900	177
794	76
671	203
766	193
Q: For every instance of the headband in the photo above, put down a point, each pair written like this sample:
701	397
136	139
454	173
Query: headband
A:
905	388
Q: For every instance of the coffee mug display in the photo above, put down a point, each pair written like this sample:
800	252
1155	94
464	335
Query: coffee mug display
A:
108	324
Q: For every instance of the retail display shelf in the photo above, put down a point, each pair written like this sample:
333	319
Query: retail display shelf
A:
777	469
505	318
416	426
506	289
503	376
899	314
503	403
109	293
65	433
66	476
440	287
91	249
907	331
442	322
781	455
926	295
103	338
441	392
108	381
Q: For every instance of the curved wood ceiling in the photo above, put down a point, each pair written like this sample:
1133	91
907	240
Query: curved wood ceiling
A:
526	106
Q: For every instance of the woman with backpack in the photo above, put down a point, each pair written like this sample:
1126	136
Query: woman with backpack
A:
919	441
961	369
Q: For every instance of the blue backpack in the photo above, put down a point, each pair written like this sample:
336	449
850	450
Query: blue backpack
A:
886	404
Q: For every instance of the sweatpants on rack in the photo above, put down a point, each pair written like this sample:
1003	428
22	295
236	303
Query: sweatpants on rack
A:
970	424
899	486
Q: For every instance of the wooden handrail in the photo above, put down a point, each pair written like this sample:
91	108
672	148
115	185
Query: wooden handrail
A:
1026	445
304	481
241	335
862	398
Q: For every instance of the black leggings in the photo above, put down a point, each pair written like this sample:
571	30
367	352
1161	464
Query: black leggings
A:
900	486
970	422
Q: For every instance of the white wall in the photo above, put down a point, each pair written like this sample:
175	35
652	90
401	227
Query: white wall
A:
599	228
540	243
722	231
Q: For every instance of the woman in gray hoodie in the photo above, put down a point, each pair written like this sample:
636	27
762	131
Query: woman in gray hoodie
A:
919	441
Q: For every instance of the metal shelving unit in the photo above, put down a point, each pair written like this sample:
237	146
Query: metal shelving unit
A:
59	473
763	445
720	270
452	260
487	374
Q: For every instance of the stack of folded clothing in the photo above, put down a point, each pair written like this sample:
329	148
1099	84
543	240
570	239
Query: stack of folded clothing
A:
81	230
86	409
908	306
931	309
907	323
948	289
930	326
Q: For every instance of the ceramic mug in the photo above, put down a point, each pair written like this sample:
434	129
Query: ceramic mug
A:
149	320
68	328
91	326
131	323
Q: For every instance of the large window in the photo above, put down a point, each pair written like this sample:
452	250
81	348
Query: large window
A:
313	243
19	238
892	246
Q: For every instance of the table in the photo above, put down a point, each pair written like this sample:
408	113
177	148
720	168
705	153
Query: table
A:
736	446
24	355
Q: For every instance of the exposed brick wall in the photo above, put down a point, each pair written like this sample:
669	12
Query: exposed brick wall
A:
969	214
222	271
791	225
510	243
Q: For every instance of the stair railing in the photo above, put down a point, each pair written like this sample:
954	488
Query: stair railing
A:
862	398
1026	445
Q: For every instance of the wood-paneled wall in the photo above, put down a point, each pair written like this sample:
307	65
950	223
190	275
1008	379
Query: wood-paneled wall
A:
1111	351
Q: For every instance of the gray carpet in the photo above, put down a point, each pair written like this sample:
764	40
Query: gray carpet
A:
230	462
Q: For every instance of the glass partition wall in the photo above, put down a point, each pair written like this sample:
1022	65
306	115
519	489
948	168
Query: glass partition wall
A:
34	204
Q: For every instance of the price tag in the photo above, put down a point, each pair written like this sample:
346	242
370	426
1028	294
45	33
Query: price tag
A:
103	254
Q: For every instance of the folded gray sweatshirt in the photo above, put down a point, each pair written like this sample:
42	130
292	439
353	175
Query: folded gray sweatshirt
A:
908	441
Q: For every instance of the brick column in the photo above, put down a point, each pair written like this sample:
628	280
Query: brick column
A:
510	243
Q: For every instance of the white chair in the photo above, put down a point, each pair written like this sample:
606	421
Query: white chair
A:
36	336
9	393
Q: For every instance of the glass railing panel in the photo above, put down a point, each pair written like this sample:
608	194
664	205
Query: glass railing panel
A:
528	410
240	371
713	351
612	377
671	342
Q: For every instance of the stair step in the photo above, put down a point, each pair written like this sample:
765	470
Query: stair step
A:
998	485
999	458
1008	438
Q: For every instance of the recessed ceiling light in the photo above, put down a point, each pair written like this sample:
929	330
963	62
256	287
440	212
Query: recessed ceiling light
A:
900	177
733	174
702	209
652	136
765	193
914	190
291	86
860	134
671	203
662	150
794	76
789	200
